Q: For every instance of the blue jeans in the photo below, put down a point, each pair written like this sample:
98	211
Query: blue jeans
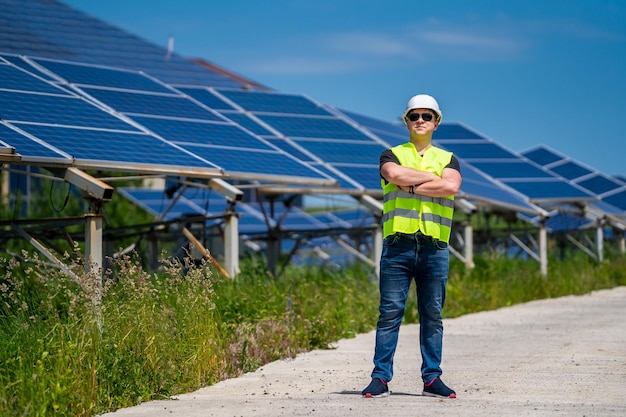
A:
406	258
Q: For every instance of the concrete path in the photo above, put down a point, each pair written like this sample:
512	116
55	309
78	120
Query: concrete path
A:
558	357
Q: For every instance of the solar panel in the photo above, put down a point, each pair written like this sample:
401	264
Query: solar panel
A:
570	170
270	102
152	104
610	189
617	199
509	168
300	127
512	169
27	145
551	190
185	132
155	202
52	29
476	150
477	185
111	146
313	127
104	77
206	97
456	131
160	125
599	184
13	78
246	122
56	110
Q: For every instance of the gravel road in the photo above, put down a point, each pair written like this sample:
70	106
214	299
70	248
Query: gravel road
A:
555	357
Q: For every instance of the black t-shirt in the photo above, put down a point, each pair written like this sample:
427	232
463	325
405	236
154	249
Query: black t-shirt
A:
389	156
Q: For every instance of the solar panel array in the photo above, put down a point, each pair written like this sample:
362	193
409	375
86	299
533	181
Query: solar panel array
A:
510	169
301	127
114	115
476	186
91	114
611	190
50	29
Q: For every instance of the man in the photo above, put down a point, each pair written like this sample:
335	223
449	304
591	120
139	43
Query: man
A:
419	182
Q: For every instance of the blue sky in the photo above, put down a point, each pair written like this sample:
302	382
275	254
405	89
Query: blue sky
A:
524	73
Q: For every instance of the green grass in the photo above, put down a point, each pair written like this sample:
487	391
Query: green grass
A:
156	335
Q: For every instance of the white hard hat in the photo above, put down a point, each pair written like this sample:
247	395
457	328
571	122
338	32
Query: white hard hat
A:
423	101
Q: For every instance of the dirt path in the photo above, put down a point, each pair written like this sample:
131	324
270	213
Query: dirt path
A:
558	357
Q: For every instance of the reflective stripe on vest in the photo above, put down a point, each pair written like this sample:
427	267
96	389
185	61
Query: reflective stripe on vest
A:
408	213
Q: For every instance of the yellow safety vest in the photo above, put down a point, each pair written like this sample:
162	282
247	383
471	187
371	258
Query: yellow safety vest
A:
408	213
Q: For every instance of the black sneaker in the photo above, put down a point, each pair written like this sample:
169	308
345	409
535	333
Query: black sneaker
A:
436	388
377	388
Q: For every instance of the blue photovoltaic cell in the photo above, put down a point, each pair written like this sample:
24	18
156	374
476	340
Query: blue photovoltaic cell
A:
391	139
104	145
290	149
294	219
204	133
245	121
253	161
609	208
548	190
309	127
63	110
455	131
103	77
570	170
262	102
511	169
478	150
542	156
617	199
375	124
207	98
337	152
152	104
477	186
566	221
599	184
13	78
340	181
155	202
19	62
367	176
26	146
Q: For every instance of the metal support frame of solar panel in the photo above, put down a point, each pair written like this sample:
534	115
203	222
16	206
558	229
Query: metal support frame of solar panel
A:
303	128
51	125
163	112
477	187
252	216
610	190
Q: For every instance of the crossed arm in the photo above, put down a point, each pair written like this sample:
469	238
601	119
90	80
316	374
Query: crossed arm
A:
423	182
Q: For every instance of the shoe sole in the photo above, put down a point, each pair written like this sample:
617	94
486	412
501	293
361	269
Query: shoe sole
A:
432	394
384	394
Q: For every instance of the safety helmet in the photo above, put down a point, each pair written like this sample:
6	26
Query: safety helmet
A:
423	101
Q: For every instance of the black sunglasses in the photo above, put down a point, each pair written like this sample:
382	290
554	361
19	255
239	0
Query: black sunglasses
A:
414	117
